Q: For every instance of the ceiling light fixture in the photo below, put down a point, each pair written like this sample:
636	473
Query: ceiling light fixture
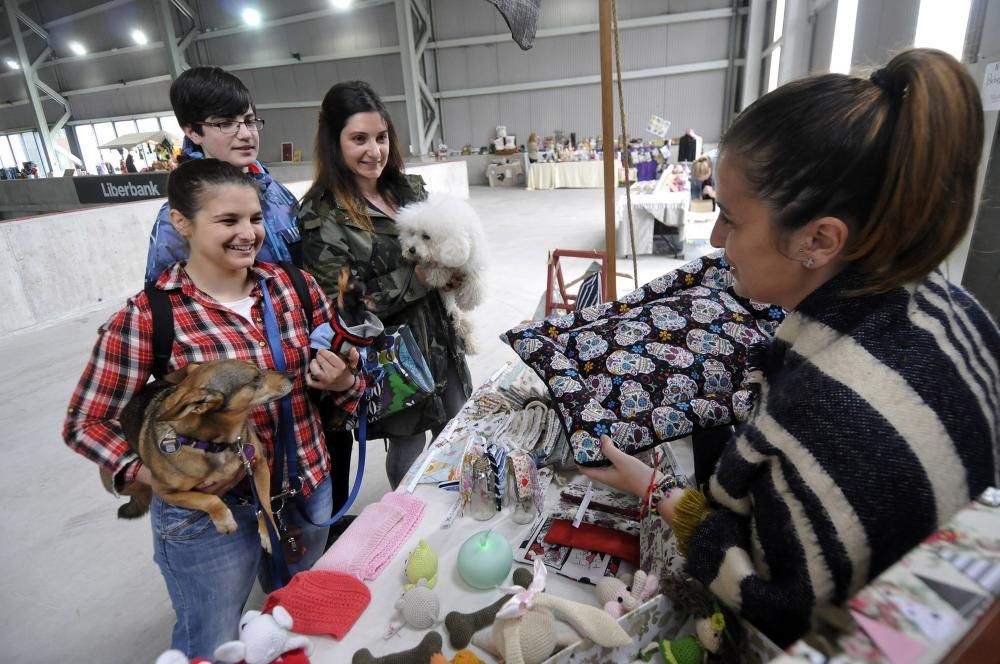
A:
12	63
139	37
77	48
342	4
251	17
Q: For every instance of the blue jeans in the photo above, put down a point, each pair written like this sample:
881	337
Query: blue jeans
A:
209	575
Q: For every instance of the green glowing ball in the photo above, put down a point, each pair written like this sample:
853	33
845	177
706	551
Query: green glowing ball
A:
485	559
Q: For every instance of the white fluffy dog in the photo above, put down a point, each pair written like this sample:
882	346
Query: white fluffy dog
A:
444	236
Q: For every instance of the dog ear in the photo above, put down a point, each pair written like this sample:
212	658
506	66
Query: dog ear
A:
454	251
194	401
175	377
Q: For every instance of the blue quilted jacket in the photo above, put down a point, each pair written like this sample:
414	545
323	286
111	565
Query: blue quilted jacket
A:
281	243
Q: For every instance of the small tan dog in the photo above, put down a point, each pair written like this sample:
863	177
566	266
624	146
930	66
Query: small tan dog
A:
192	427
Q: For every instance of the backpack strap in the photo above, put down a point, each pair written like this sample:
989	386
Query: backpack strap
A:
301	289
163	329
163	317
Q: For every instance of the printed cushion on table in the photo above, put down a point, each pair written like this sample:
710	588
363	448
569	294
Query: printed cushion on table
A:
674	356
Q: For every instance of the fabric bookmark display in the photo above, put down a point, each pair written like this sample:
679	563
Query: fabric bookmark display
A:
375	537
497	456
594	538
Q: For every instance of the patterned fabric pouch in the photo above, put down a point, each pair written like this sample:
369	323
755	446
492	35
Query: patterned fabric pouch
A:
567	511
676	355
613	502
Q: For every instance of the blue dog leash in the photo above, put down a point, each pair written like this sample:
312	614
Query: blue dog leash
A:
286	454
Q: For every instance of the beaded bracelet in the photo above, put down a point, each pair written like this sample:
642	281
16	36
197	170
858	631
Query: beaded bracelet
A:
644	509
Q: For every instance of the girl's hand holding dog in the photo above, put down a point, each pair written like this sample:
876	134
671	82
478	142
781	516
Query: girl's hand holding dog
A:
329	371
143	476
221	487
456	281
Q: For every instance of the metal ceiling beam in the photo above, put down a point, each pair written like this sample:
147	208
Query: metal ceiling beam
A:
115	86
754	53
97	9
215	33
83	13
96	55
59	99
284	105
283	62
175	58
414	28
30	80
648	22
670	70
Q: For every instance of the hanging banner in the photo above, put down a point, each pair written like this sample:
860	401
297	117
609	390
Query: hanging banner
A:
120	188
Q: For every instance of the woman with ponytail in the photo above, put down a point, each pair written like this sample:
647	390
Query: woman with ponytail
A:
879	413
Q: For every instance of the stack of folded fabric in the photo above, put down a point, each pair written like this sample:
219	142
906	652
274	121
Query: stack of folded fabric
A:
610	523
375	537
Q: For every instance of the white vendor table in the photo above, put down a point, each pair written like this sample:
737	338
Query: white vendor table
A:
572	175
668	207
567	175
453	592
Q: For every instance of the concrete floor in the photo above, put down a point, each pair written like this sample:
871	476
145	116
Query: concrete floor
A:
81	586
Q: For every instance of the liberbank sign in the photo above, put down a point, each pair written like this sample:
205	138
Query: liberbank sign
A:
120	188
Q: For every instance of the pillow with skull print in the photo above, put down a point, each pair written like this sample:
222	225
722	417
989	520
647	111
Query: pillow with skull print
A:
677	355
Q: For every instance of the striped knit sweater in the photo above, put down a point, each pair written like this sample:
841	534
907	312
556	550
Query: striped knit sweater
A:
878	420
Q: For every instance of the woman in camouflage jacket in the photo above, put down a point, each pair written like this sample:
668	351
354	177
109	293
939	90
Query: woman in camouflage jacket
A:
347	219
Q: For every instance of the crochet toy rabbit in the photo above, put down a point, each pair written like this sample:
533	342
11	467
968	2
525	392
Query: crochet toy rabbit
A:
264	638
618	598
525	628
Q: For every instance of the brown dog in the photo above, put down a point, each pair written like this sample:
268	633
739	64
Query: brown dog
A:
190	428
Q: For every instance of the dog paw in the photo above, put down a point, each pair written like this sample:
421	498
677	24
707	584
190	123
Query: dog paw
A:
225	525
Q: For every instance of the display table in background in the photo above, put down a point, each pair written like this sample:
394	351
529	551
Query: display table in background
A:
668	207
566	175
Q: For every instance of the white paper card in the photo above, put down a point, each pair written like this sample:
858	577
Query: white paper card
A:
991	87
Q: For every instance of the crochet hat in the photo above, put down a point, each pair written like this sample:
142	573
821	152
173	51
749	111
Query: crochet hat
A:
322	602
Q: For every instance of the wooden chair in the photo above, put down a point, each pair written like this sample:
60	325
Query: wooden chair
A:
557	296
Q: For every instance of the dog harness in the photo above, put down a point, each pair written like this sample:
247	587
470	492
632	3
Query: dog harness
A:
171	444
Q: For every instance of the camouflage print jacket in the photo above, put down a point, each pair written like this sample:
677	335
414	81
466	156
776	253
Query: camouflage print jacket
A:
330	240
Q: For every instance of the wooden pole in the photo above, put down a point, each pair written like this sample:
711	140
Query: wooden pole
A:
608	143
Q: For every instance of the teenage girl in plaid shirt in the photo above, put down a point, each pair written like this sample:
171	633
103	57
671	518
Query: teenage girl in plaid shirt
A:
217	308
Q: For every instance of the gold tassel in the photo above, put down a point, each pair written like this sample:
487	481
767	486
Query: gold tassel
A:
688	513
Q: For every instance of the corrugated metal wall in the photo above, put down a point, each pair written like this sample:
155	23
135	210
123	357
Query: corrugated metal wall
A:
688	100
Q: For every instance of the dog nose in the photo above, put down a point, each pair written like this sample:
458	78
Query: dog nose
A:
413	250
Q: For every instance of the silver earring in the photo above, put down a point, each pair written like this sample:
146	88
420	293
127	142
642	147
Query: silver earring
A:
809	262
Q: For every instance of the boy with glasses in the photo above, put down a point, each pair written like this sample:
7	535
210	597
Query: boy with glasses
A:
216	112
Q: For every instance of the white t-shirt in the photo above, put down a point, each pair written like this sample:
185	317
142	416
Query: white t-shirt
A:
242	307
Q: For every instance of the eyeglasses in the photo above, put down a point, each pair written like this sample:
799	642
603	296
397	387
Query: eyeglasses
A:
233	126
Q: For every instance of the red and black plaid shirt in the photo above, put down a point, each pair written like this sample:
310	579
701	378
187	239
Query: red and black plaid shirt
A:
122	361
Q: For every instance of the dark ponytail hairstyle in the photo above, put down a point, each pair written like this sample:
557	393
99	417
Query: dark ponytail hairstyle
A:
332	174
189	180
895	156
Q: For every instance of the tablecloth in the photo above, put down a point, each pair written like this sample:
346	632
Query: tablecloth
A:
668	207
567	174
454	594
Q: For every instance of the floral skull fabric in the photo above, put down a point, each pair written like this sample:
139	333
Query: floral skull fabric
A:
667	359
